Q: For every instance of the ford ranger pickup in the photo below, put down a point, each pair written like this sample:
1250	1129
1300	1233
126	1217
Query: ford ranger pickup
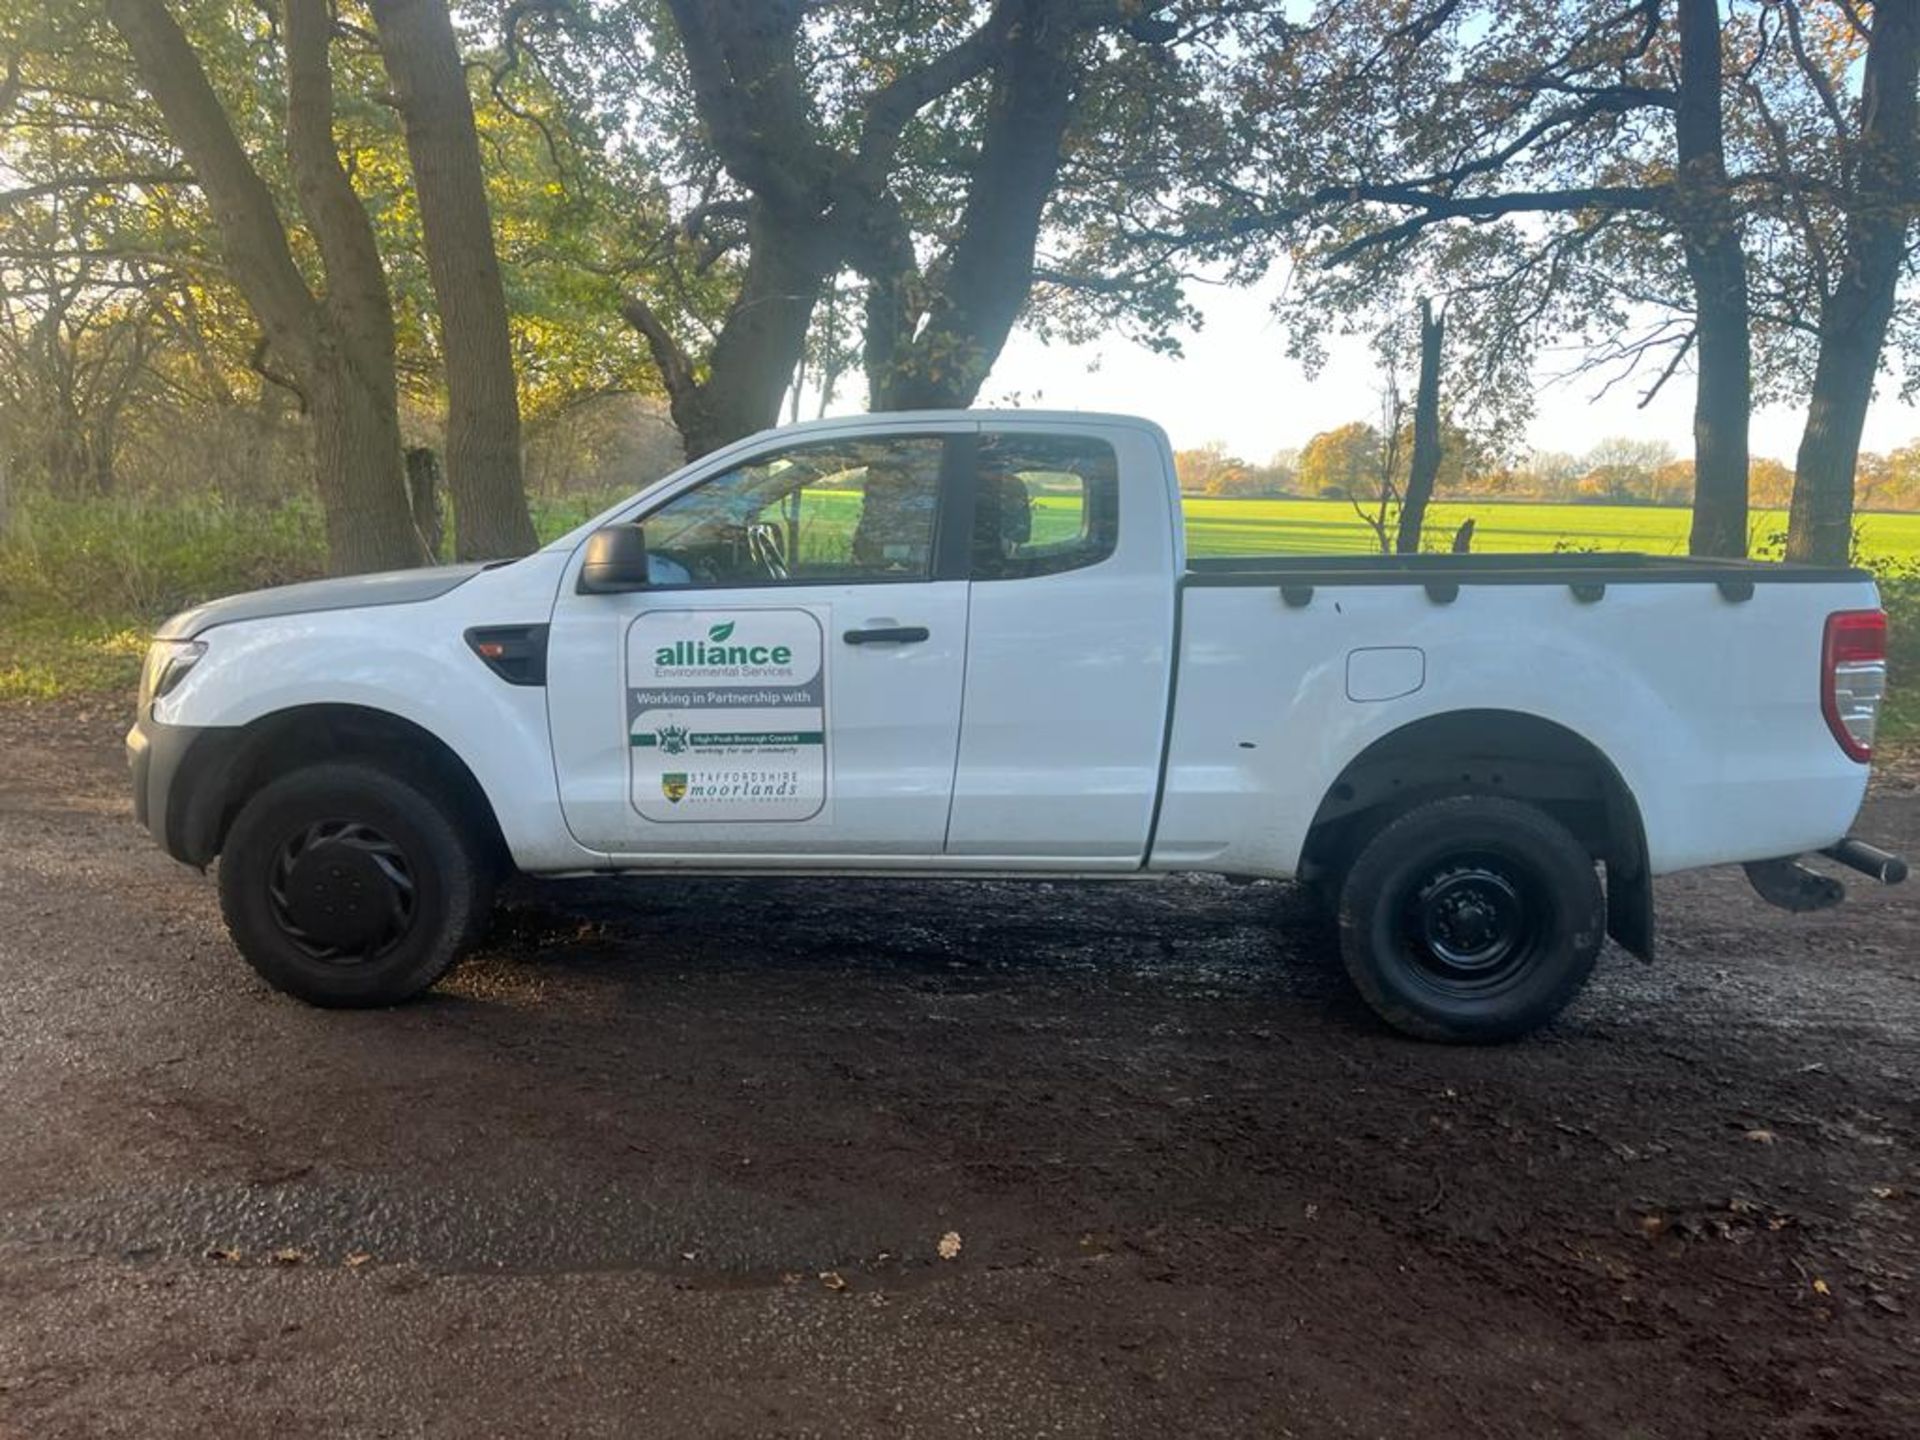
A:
974	644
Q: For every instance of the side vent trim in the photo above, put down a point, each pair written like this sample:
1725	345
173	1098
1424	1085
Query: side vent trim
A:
516	653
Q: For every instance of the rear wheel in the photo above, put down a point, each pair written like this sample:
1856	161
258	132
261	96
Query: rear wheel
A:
1470	919
346	885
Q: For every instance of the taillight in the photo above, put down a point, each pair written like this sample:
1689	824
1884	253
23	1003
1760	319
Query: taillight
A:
1853	677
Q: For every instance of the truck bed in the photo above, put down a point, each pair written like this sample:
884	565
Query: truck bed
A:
1698	680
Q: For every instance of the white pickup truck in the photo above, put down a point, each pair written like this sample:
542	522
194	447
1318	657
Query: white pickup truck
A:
974	644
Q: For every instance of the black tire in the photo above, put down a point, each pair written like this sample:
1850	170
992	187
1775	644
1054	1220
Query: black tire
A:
380	871
1471	919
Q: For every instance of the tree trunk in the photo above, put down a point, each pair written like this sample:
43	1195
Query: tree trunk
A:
341	352
1717	266
1854	314
990	273
483	406
1425	466
355	433
100	458
761	340
423	496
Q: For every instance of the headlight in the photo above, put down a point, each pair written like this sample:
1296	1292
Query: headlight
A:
168	662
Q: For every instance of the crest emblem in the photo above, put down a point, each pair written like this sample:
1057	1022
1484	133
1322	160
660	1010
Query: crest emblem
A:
672	739
674	786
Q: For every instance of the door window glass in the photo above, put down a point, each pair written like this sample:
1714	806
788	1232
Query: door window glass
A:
839	510
1043	504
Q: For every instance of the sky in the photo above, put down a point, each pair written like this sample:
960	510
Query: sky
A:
1235	383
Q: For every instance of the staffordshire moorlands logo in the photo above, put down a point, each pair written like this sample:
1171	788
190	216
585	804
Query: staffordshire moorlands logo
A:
672	739
673	785
716	653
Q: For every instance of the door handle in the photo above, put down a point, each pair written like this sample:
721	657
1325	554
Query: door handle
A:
887	635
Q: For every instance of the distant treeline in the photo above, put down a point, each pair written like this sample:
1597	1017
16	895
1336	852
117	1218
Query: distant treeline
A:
1352	461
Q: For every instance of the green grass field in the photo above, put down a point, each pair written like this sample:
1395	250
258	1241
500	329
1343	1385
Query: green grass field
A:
82	584
1330	527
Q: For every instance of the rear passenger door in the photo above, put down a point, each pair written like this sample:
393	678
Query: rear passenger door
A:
1069	648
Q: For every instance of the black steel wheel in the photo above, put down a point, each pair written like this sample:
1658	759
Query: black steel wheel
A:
342	891
346	885
1471	918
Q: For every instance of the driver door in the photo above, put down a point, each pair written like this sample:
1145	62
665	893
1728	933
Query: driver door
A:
787	689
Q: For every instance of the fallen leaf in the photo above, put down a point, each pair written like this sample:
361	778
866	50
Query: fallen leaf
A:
289	1256
949	1246
833	1280
357	1259
216	1253
1761	1137
1820	1287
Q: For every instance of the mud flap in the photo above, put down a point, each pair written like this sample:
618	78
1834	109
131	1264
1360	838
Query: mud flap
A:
1630	908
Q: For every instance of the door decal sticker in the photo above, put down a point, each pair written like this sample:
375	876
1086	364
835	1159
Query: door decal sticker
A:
726	715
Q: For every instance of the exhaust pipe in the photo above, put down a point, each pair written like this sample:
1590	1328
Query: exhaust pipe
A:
1888	869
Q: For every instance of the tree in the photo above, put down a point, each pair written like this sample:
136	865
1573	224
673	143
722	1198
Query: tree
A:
1877	163
1341	463
1534	162
1769	483
1208	470
339	345
933	170
1874	481
74	352
1701	204
483	410
1673	483
1424	466
1623	469
930	346
1554	474
100	202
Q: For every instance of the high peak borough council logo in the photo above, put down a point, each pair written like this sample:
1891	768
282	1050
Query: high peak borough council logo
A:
673	785
672	739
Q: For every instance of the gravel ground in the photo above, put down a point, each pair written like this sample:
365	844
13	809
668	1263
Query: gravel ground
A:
677	1159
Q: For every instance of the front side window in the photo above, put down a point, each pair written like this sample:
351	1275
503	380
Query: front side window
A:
1043	504
837	510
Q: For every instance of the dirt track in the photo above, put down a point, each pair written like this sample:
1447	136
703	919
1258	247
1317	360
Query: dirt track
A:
673	1160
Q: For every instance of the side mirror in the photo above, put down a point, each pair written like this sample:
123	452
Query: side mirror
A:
615	560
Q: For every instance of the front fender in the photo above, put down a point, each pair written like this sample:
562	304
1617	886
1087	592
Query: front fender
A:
413	663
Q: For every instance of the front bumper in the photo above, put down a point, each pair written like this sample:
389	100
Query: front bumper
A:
161	759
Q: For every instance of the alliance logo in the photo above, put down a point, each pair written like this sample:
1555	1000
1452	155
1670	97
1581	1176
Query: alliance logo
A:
714	652
673	785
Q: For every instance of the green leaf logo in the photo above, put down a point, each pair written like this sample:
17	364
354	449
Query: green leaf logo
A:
720	634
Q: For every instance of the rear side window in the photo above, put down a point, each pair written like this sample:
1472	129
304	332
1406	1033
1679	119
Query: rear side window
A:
1043	504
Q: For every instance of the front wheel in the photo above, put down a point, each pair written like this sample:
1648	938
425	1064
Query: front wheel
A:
1470	919
345	885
